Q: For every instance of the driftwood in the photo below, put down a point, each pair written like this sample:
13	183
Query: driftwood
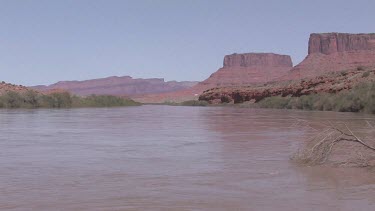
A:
322	144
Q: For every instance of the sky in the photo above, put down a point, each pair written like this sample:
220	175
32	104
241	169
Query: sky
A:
45	41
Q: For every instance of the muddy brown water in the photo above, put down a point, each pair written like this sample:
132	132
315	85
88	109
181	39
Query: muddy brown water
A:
169	158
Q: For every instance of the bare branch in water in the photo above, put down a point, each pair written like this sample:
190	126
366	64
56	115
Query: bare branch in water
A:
325	141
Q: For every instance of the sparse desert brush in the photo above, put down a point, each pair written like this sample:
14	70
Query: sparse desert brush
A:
11	99
194	103
361	68
366	74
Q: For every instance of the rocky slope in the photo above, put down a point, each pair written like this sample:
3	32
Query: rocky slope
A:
120	86
6	87
328	83
238	69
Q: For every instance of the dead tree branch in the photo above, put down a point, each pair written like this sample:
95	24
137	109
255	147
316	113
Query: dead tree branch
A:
324	142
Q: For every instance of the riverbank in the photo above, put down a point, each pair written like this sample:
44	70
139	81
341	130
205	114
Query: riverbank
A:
59	99
345	91
361	98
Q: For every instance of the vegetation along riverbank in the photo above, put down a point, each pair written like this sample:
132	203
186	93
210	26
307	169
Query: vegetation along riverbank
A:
13	96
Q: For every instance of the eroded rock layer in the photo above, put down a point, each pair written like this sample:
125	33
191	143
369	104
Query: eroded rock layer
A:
329	43
257	59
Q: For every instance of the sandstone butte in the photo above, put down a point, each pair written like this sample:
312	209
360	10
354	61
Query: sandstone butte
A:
327	53
330	52
238	69
119	86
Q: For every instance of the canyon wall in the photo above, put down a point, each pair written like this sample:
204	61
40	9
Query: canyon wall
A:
329	43
249	68
332	52
257	59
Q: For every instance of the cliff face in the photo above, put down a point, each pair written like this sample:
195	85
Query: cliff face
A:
121	86
237	70
331	52
240	69
330	43
257	59
349	55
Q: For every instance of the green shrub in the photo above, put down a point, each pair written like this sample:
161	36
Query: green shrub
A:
366	74
360	68
344	72
102	101
32	99
171	103
194	103
56	100
11	100
359	99
275	102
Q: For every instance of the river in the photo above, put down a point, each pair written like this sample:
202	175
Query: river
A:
169	158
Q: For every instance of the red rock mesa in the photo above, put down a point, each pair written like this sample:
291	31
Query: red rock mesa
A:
330	52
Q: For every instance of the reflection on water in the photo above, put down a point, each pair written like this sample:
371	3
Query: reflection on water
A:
168	158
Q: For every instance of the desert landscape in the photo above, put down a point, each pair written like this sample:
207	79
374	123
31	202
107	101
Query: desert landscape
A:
338	74
138	105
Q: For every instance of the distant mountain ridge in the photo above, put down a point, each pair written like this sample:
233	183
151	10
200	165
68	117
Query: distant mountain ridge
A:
119	86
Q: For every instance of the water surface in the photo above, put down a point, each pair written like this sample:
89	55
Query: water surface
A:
169	158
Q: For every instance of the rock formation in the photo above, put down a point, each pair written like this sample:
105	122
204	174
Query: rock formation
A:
257	59
7	87
327	83
120	86
240	69
330	52
330	43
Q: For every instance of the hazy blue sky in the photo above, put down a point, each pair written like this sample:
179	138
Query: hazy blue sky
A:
44	41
